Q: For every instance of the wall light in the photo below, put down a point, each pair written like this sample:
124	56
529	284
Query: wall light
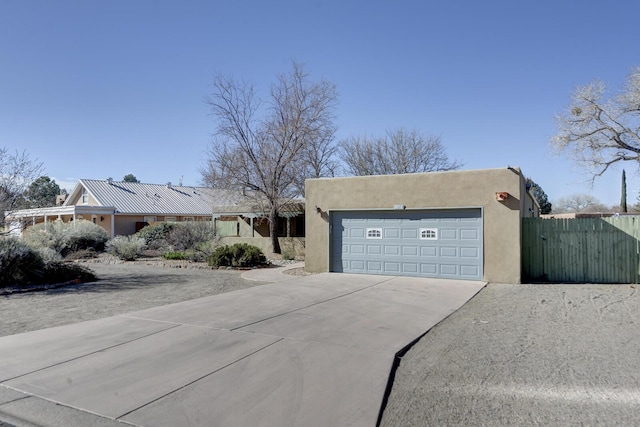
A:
318	210
502	196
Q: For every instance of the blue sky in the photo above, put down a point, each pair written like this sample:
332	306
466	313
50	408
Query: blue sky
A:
102	89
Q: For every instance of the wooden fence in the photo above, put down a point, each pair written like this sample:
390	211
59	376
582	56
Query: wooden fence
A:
581	250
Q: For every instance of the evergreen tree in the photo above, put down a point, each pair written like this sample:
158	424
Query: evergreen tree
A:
540	196
42	193
623	198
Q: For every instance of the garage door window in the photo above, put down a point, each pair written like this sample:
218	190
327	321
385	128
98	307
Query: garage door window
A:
428	234
374	233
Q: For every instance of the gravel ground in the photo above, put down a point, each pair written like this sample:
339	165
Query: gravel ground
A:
526	355
121	288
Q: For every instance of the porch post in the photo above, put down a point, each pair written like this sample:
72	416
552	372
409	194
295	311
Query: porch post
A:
252	229
214	219
288	226
113	226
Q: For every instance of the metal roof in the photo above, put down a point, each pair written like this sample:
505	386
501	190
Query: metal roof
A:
140	198
291	209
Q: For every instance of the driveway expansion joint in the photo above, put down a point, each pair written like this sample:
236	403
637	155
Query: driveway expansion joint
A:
3	380
118	418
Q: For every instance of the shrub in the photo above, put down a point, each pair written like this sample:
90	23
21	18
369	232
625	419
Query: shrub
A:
48	254
127	248
174	255
66	238
82	254
82	235
207	248
19	264
44	236
188	235
156	235
286	255
238	255
60	272
201	252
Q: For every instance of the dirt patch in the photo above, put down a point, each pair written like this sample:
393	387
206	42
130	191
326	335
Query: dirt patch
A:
299	271
526	355
121	287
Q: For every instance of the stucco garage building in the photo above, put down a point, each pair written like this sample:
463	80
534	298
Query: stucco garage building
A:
459	224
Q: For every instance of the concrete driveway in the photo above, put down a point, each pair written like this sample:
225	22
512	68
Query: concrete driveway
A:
305	351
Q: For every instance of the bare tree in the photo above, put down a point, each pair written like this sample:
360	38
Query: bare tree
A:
579	203
599	130
17	172
318	159
399	151
264	153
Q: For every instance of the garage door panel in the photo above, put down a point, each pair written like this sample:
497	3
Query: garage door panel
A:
374	266
374	249
409	267
448	234
355	233
429	269
428	251
469	253
391	250
391	233
448	269
469	234
449	252
469	271
410	233
355	265
410	250
430	243
392	267
356	249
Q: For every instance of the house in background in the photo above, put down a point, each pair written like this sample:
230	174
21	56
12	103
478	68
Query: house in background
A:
247	222
122	208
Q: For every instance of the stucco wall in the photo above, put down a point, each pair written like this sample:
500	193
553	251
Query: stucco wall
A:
502	229
125	225
293	245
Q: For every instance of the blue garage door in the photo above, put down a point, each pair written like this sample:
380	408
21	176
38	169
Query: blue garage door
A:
429	243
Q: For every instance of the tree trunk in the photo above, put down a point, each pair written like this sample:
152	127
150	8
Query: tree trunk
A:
273	229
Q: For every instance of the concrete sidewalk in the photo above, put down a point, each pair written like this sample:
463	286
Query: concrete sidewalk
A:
277	274
311	351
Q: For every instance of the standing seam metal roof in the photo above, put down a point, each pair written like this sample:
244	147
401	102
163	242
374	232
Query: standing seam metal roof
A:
140	198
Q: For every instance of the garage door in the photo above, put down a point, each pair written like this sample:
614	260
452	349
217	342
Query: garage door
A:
429	243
